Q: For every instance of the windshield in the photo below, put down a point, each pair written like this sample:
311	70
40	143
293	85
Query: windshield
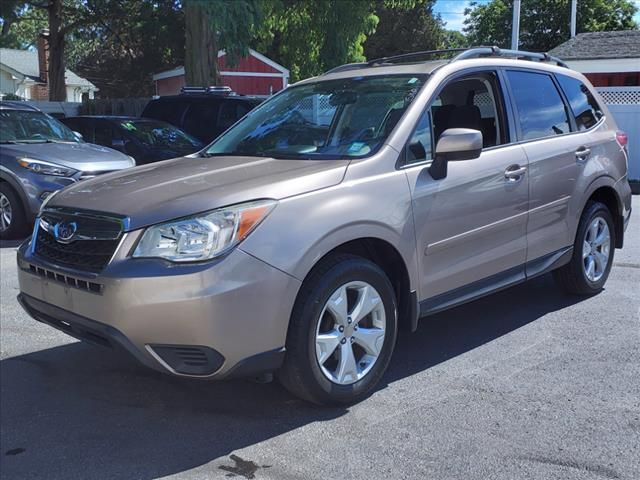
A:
328	119
23	126
159	134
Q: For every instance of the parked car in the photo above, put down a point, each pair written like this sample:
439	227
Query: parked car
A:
145	139
203	113
343	208
38	156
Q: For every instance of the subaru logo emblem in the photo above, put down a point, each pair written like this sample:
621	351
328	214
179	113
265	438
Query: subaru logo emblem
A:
64	231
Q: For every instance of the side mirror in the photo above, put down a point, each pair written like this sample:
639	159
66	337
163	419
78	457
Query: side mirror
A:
78	135
455	144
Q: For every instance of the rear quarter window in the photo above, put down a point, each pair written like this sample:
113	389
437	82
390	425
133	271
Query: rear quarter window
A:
584	106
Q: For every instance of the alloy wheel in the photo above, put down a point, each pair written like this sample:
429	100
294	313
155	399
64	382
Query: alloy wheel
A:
595	249
6	213
351	333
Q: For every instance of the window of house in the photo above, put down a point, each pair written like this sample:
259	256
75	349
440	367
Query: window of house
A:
541	111
584	107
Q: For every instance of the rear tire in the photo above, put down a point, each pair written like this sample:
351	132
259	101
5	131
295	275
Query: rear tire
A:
13	221
593	249
342	332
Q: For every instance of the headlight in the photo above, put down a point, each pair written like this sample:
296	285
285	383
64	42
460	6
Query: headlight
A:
203	236
46	168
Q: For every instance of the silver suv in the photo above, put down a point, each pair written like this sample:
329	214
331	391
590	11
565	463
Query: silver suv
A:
342	209
38	156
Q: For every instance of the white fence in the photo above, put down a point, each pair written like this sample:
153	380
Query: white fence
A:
624	104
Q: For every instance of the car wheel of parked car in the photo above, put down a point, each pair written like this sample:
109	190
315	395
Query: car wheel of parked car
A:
12	219
593	250
342	332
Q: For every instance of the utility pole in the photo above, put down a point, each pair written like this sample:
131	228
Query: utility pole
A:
574	7
515	31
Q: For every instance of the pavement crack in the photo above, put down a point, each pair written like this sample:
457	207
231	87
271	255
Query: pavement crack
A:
595	469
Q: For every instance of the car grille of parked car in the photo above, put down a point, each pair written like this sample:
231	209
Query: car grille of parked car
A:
89	247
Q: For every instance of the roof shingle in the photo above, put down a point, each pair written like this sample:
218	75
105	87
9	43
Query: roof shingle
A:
594	45
26	62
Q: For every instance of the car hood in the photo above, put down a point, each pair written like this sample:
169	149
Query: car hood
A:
85	157
185	186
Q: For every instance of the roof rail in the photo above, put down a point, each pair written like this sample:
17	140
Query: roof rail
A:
478	52
407	56
216	90
462	54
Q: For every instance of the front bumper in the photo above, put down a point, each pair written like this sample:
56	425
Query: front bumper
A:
224	318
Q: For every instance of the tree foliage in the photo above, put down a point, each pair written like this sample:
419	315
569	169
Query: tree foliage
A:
544	24
119	44
402	30
211	25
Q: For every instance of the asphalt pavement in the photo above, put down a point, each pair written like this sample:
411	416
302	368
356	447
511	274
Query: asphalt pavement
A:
525	384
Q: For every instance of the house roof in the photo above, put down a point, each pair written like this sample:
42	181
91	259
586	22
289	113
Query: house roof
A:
25	62
175	72
600	45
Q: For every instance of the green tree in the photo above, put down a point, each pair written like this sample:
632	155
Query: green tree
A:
211	25
454	39
403	30
126	42
20	24
544	24
312	36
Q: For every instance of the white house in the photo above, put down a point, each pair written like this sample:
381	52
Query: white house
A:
25	73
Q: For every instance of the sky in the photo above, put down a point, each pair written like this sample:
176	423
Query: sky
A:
452	11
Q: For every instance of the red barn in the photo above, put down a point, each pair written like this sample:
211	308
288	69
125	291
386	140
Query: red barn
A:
254	75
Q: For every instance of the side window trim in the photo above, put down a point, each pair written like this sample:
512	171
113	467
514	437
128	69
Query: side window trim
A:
573	127
509	109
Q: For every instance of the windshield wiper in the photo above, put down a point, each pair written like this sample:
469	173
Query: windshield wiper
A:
234	154
33	140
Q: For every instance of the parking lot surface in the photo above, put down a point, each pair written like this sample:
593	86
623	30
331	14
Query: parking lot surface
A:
524	384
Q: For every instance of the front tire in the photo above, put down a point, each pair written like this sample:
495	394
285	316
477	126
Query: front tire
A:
593	249
342	332
13	222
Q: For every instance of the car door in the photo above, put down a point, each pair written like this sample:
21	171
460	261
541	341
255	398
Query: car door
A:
544	128
470	225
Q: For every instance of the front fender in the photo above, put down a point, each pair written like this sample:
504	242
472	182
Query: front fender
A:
303	229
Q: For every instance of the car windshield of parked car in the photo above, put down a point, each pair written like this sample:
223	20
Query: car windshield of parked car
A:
160	134
329	119
24	126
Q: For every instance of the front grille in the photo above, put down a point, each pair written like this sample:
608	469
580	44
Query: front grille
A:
89	249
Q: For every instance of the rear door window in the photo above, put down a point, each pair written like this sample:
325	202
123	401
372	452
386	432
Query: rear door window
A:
170	111
231	112
584	107
201	119
541	111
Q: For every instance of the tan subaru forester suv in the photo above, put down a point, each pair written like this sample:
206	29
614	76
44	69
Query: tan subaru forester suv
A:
340	210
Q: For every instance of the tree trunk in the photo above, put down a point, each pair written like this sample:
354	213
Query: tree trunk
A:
201	50
57	87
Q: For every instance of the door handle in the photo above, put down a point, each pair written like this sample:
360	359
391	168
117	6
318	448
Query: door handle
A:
514	172
582	153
